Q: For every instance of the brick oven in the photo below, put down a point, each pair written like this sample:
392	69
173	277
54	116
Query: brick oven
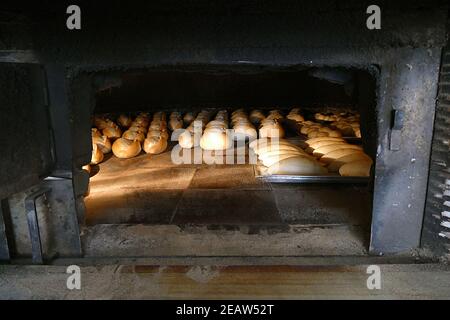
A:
175	58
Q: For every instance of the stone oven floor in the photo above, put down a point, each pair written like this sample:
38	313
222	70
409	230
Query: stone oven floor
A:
150	189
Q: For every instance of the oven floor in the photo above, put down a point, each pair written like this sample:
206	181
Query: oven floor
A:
150	189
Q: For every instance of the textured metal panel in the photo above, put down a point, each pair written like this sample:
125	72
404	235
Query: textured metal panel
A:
436	230
24	134
408	83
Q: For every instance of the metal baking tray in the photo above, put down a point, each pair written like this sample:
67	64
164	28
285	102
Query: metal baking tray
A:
330	178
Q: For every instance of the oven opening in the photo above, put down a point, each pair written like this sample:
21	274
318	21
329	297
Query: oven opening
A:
302	143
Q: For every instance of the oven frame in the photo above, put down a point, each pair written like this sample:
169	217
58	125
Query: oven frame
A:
408	61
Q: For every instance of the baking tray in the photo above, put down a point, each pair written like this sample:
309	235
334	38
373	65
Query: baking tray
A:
330	178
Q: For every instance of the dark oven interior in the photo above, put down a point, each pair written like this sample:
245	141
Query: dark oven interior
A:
151	189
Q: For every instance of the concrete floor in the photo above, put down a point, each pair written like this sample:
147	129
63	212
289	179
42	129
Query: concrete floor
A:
398	281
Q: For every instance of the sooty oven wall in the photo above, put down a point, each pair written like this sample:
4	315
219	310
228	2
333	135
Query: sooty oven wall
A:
406	52
193	87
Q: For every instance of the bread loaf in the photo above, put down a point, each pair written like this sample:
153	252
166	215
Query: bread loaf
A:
271	130
270	160
359	168
335	165
276	147
333	155
256	116
124	121
186	140
133	135
112	132
97	155
188	118
243	132
215	139
298	165
124	148
175	124
156	133
103	143
315	140
87	168
155	145
319	152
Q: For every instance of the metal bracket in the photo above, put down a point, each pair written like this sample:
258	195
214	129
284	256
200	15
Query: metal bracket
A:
397	122
33	225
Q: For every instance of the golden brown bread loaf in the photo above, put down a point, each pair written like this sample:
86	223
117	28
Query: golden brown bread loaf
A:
271	129
155	145
124	121
359	168
112	132
215	138
255	144
318	144
103	143
175	124
319	152
333	155
298	165
243	132
335	165
133	135
315	140
156	133
124	148
270	160
256	116
188	118
97	155
276	147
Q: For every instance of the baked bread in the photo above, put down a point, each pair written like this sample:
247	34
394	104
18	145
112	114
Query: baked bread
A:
112	132
155	145
314	140
97	155
336	154
175	124
124	121
188	118
271	130
298	165
133	135
335	165
124	148
103	143
186	140
215	139
359	168
319	152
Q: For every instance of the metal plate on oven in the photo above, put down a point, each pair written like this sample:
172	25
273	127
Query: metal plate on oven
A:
309	179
